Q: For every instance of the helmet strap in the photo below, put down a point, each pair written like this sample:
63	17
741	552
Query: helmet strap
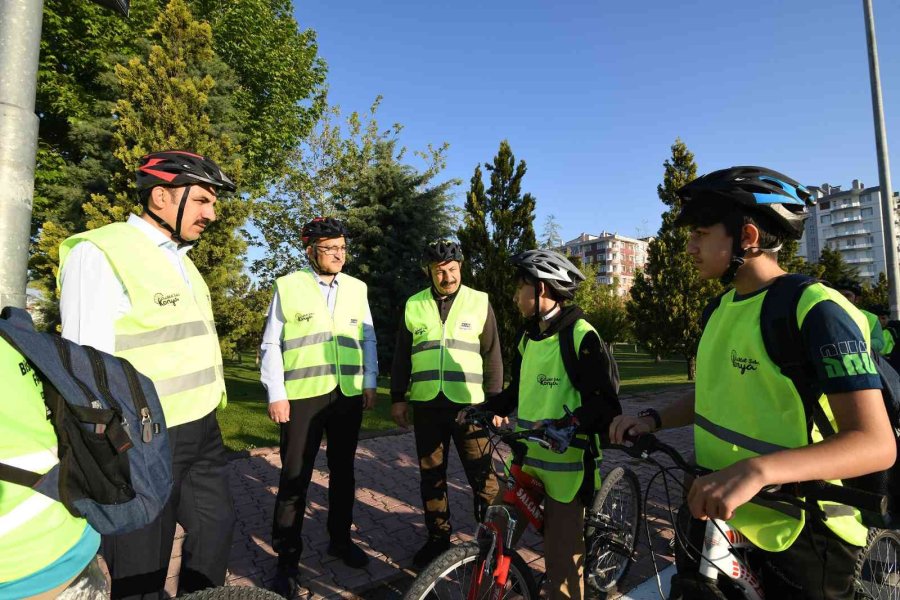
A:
175	231
737	261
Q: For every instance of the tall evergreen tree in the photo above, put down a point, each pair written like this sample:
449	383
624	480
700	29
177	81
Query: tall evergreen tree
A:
498	223
550	237
835	269
792	263
668	297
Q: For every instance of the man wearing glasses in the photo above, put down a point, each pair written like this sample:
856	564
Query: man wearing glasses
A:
319	366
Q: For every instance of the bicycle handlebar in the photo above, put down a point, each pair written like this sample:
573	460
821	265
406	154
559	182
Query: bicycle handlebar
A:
805	495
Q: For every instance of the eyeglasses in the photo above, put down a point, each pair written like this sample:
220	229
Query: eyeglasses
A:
332	250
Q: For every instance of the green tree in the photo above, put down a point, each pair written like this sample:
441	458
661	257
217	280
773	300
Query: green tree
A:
551	238
497	224
792	263
668	297
876	297
835	269
603	307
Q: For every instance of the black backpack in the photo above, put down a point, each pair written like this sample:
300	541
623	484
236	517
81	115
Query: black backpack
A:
781	337
115	466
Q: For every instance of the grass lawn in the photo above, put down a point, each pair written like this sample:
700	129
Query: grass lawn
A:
245	423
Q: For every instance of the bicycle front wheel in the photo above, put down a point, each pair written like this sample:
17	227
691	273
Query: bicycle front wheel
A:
610	530
461	573
878	570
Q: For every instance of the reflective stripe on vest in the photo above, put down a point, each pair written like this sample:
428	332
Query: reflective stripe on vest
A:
169	334
745	407
34	529
446	357
321	351
544	388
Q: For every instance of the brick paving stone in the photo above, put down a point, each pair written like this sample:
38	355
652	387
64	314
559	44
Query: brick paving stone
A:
388	515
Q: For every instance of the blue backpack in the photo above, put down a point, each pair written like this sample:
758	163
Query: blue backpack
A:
115	465
781	337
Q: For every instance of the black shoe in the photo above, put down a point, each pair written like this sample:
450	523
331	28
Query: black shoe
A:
433	548
350	553
286	582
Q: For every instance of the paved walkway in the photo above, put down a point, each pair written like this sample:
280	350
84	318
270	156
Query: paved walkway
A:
388	517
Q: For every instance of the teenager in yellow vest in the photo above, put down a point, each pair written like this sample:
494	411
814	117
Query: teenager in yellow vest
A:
43	549
319	365
130	289
749	423
540	389
448	346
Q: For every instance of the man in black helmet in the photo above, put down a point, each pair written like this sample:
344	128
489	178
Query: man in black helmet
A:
751	427
319	366
130	289
447	344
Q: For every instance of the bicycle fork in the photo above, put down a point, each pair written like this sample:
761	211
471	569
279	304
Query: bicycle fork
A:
718	557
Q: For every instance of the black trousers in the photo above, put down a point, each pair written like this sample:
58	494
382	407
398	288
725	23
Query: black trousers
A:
339	418
200	501
435	426
817	566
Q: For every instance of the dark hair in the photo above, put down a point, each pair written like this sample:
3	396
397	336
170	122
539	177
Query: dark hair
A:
524	277
734	217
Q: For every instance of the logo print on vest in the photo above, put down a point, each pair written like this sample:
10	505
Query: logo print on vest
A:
420	331
744	364
166	299
354	321
303	317
465	326
547	380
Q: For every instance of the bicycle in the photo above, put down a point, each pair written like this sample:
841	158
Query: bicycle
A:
723	564
489	568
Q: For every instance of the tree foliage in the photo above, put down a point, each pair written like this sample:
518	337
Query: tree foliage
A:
550	237
391	208
876	298
834	269
497	224
603	307
668	297
244	92
792	263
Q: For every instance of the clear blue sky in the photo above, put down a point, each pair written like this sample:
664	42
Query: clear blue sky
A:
591	94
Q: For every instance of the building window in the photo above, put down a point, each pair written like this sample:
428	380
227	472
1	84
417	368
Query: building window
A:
825	219
866	212
824	205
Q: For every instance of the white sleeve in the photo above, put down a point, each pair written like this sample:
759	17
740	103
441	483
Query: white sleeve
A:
271	363
91	297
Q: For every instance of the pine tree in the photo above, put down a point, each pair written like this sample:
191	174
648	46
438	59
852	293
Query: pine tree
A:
498	223
835	269
792	263
668	297
551	238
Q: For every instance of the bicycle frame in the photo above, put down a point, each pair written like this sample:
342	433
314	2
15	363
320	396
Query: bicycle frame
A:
717	558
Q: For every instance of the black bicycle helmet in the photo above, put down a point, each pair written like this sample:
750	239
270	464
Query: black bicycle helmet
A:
443	250
322	228
552	268
175	168
784	201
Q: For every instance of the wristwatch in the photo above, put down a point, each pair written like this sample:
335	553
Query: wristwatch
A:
654	414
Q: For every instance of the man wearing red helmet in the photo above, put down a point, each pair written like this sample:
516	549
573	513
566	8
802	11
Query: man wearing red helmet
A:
131	289
319	366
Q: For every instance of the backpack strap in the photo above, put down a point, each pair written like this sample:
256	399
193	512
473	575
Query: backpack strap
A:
569	354
784	344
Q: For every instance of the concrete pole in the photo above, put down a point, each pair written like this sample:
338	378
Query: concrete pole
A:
884	167
20	44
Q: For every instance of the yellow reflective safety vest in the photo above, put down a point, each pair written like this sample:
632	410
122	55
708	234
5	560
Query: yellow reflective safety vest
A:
544	389
745	407
35	531
169	334
321	351
446	357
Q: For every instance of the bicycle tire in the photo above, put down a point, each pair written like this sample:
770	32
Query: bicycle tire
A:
878	568
232	592
448	575
610	530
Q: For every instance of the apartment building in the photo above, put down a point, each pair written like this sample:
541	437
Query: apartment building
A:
848	221
615	256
